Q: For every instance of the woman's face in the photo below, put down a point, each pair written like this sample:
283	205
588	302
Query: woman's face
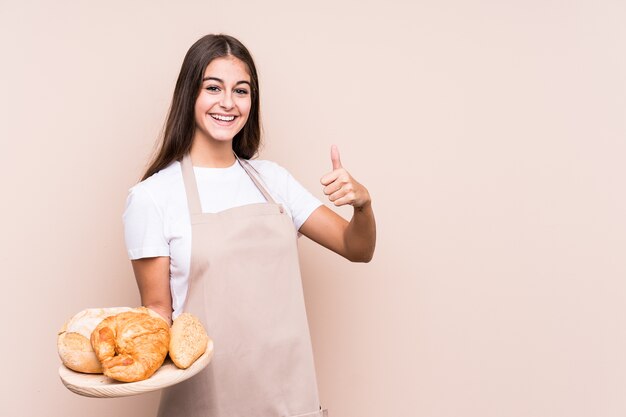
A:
224	102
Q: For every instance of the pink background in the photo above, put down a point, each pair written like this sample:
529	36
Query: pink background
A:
491	134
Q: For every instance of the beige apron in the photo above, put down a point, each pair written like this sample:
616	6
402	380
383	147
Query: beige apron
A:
245	286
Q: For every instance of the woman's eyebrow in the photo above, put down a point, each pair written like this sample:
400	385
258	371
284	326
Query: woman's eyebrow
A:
222	81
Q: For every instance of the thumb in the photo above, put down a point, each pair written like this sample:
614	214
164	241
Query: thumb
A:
334	156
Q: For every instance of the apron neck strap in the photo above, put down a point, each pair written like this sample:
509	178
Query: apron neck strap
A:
191	186
253	176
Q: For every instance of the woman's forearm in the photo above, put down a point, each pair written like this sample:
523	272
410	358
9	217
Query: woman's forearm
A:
152	275
360	234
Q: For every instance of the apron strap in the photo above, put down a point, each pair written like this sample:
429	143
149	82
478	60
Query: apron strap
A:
259	184
191	186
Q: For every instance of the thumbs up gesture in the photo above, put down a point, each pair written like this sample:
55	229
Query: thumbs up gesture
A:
340	187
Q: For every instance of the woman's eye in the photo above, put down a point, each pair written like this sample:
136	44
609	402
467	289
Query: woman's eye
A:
213	88
241	91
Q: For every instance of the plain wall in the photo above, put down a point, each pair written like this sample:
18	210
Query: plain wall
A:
491	135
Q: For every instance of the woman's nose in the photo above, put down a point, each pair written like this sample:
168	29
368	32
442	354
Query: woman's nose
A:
227	101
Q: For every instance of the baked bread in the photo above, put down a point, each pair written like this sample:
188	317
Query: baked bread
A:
131	346
73	340
74	344
188	340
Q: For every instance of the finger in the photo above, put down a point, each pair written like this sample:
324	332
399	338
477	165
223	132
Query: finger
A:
334	157
346	199
333	187
338	194
339	175
339	189
330	177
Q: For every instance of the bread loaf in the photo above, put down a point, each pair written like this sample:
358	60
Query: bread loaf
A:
132	349
131	346
73	342
188	340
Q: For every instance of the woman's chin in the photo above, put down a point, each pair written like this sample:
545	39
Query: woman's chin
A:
217	137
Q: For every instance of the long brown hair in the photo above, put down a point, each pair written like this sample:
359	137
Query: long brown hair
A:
180	123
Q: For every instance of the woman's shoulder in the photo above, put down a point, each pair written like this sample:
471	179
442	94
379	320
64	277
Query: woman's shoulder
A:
277	178
269	169
165	177
262	163
161	185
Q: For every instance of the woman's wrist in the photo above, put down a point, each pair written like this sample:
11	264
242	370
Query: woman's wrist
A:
366	204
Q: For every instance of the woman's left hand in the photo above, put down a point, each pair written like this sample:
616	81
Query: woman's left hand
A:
354	240
341	188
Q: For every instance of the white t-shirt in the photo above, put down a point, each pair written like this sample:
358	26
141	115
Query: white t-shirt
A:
156	219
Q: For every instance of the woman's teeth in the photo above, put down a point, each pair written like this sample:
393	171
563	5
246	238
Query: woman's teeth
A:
223	118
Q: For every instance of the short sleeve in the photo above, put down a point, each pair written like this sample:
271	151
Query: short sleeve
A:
300	201
144	226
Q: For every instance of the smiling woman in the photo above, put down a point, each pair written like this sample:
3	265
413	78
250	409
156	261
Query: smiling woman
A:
203	73
212	232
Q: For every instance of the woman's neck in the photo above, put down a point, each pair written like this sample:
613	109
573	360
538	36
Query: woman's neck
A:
211	153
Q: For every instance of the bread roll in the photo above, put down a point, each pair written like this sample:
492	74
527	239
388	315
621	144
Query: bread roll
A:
131	346
188	340
73	341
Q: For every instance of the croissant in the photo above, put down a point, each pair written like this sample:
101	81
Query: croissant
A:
131	346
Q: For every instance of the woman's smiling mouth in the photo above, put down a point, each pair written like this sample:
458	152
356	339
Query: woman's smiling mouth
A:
223	118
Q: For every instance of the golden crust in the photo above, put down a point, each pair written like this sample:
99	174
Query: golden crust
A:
131	346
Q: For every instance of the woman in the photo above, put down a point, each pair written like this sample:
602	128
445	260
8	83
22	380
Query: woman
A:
213	233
